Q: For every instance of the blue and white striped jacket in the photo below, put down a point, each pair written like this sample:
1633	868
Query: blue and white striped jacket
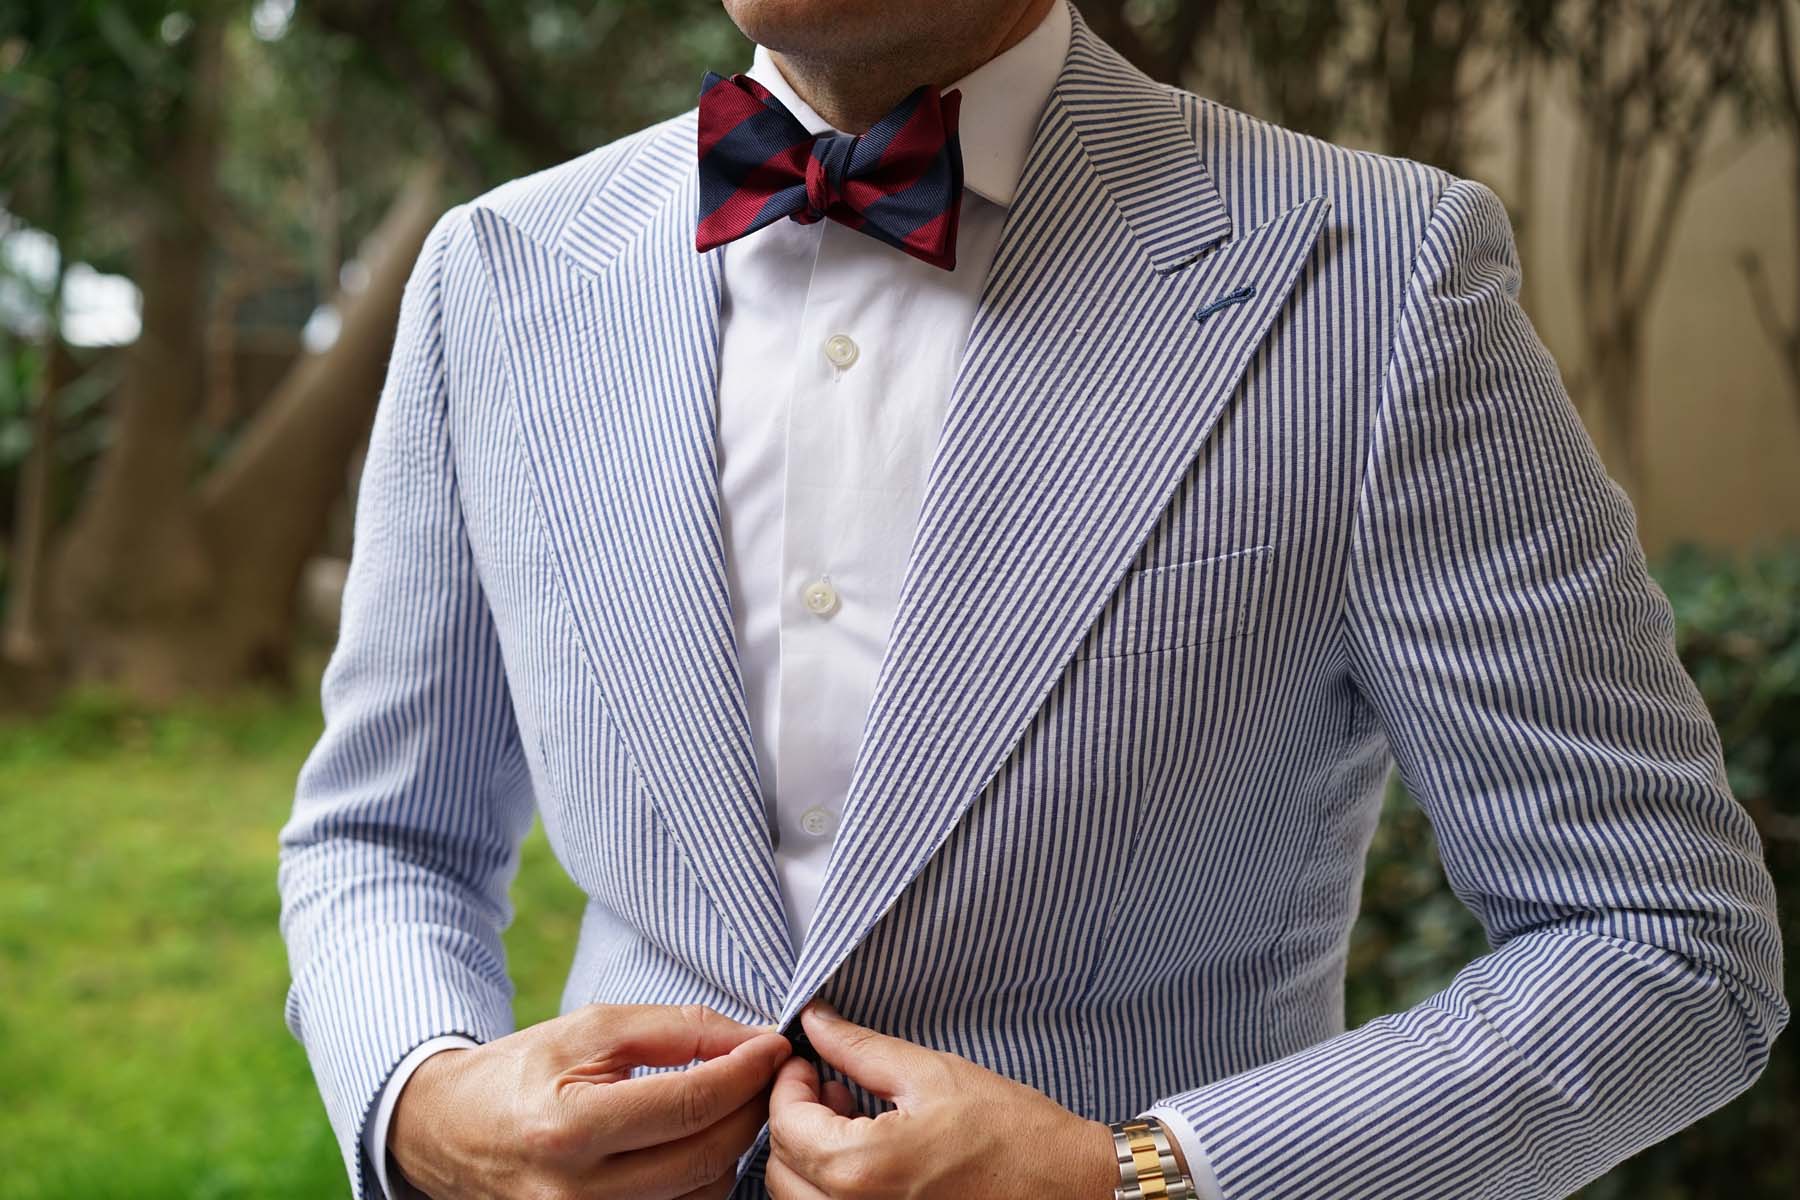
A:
1255	480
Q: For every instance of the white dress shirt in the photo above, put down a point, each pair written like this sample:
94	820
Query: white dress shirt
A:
837	354
836	358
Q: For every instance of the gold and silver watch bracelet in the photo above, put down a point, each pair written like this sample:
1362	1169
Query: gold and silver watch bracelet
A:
1147	1166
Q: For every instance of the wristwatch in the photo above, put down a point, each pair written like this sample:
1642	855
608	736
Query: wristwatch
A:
1147	1167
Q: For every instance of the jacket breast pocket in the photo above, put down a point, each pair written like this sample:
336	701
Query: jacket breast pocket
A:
1181	604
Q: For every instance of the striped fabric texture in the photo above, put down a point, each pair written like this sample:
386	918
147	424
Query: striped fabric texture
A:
1256	482
901	181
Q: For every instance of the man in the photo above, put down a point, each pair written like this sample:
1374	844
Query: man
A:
977	577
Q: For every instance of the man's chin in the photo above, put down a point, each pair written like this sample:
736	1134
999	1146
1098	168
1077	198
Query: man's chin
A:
813	28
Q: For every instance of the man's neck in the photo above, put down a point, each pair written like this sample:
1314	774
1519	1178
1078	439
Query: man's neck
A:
854	92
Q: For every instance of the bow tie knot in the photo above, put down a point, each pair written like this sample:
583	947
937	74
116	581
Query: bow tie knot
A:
825	170
900	182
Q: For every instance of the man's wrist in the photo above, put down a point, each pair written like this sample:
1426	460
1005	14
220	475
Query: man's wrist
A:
1099	1169
378	1135
416	1101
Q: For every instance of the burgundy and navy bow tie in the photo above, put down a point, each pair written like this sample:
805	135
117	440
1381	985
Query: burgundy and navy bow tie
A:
901	181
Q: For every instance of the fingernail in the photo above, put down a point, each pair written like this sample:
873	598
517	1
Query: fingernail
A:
824	1009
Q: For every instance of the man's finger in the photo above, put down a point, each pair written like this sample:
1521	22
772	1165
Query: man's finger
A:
803	1130
681	1166
648	1110
890	1067
838	1098
617	1036
797	1082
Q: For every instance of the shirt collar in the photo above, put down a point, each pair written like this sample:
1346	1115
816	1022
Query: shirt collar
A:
1001	102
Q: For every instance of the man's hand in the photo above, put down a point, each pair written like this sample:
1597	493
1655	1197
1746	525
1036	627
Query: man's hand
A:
553	1111
959	1129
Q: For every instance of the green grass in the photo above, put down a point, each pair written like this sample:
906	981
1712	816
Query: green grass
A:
142	974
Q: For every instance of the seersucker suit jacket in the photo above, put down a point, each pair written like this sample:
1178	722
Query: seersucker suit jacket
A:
1255	481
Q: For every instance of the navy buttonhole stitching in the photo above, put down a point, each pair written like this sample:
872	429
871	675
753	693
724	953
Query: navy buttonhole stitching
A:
1237	297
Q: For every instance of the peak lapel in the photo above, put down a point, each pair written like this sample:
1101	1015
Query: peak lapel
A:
1089	382
613	376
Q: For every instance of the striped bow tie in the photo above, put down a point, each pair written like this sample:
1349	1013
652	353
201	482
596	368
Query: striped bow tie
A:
901	181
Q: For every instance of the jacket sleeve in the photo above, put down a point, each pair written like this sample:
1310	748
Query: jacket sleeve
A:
1500	619
410	809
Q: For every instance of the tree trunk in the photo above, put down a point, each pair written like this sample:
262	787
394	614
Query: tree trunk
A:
133	562
27	642
164	583
166	587
265	509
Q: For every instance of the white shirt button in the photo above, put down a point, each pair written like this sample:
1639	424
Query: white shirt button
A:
820	597
840	350
816	821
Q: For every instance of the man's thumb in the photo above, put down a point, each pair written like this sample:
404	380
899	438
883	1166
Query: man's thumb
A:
887	1066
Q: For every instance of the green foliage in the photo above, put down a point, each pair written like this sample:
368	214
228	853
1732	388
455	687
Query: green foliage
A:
81	406
1739	637
507	87
332	106
18	385
91	90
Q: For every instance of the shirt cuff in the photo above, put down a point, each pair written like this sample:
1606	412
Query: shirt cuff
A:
1206	1187
375	1133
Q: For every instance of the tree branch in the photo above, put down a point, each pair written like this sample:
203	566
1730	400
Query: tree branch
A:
297	444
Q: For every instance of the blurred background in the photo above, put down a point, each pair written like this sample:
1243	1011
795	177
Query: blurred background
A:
207	213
